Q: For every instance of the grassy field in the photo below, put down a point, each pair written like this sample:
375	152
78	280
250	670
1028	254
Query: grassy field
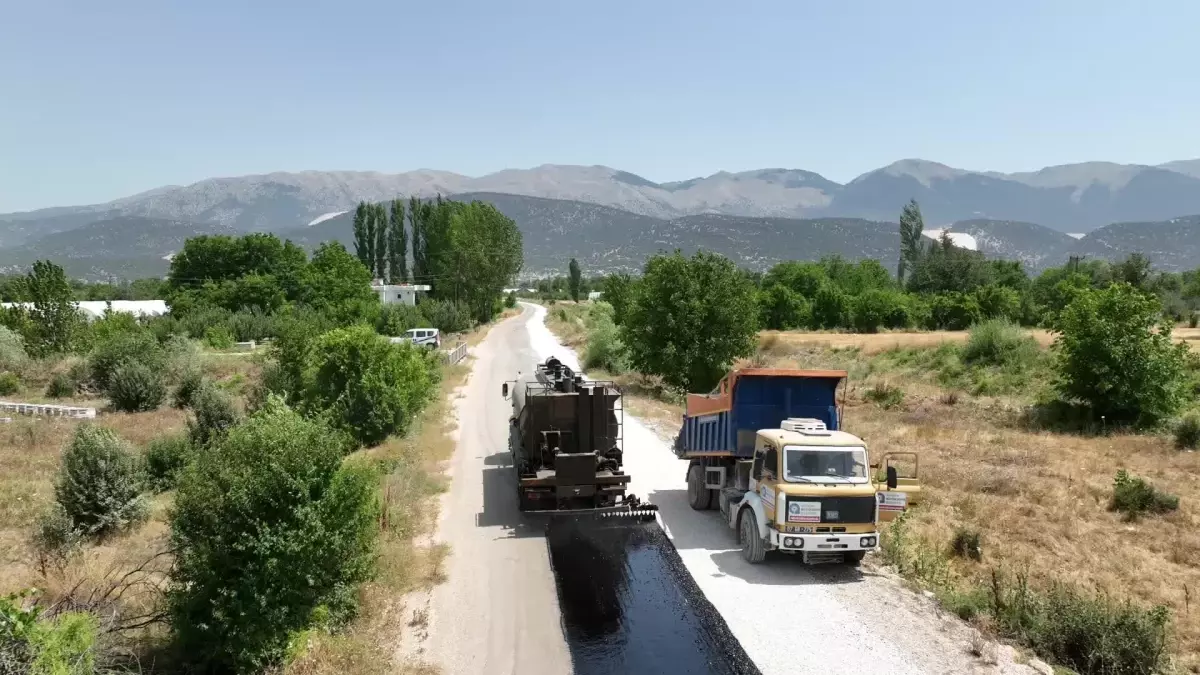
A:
879	342
1039	500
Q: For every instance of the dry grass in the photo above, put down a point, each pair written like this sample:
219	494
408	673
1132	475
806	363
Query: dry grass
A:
1039	499
879	342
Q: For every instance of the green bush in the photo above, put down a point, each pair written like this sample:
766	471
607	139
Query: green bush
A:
998	302
34	645
781	308
269	527
9	383
878	308
55	539
1187	431
99	484
214	414
113	351
999	342
248	325
446	316
219	337
395	319
166	457
1115	356
369	387
510	300
62	385
953	311
12	350
1133	496
831	307
197	322
886	395
604	349
967	543
189	384
134	387
273	380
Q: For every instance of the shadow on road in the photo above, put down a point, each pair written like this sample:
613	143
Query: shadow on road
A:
500	506
498	459
780	569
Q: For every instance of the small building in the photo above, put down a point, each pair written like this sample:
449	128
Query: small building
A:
403	294
595	295
94	309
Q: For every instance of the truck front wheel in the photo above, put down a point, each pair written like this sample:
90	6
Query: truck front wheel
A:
854	558
699	497
753	549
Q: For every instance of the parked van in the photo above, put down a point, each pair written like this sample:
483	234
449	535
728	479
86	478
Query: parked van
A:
424	337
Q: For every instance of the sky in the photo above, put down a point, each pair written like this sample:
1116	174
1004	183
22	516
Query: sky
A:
100	100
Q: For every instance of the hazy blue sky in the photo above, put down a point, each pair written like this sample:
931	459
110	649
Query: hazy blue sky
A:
99	100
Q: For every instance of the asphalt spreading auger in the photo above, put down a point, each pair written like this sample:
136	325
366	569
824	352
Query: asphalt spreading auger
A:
628	603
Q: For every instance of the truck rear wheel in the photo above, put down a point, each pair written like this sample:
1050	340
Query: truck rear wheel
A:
753	549
699	497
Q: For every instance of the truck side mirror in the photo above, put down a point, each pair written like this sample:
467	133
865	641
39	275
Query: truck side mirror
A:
504	389
893	477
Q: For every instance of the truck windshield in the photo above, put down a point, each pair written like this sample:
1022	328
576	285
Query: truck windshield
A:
815	463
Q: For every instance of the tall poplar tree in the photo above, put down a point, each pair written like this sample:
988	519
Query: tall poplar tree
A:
381	241
397	244
911	225
362	242
416	213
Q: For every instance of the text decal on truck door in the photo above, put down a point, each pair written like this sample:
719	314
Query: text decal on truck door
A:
804	512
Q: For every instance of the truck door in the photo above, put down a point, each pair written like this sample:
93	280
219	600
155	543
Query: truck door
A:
907	492
764	477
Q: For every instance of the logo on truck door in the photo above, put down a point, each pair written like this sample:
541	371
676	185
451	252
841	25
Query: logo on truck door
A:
892	501
804	512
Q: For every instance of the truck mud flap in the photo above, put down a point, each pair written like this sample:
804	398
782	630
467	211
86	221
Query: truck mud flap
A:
629	606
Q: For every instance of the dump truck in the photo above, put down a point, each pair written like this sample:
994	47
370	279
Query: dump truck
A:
765	448
565	441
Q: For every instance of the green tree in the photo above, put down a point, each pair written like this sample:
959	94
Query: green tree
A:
270	530
617	290
369	387
1133	270
475	251
953	311
379	268
1116	357
206	262
911	226
54	322
879	308
945	268
831	307
416	219
397	244
363	241
781	308
689	319
337	285
805	278
576	279
998	302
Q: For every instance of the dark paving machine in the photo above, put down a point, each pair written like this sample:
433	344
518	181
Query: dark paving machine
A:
565	440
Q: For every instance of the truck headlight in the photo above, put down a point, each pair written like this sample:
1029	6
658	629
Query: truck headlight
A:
866	542
787	541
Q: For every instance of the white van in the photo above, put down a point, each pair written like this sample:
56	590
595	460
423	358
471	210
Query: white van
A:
424	337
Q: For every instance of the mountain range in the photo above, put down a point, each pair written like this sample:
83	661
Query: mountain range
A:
613	218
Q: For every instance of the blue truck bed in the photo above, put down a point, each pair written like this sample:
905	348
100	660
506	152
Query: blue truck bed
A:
724	422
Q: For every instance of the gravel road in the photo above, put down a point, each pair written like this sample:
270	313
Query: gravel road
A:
498	612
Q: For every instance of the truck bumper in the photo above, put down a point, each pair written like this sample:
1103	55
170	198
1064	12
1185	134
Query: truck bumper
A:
825	543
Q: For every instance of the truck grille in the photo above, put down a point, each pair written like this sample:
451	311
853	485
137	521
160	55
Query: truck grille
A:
833	510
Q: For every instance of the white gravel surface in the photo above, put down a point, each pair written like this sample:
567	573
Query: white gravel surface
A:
792	618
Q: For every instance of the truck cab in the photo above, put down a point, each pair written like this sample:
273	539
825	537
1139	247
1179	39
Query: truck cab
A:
808	491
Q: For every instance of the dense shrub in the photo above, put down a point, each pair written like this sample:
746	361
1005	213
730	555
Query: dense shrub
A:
1116	357
134	387
9	383
998	302
274	491
12	350
967	543
273	380
251	325
510	300
446	315
189	384
831	307
1187	431
953	311
998	342
196	322
604	347
394	319
61	385
55	539
369	387
886	395
218	337
32	644
100	482
214	414
879	308
108	354
1133	496
781	308
166	457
